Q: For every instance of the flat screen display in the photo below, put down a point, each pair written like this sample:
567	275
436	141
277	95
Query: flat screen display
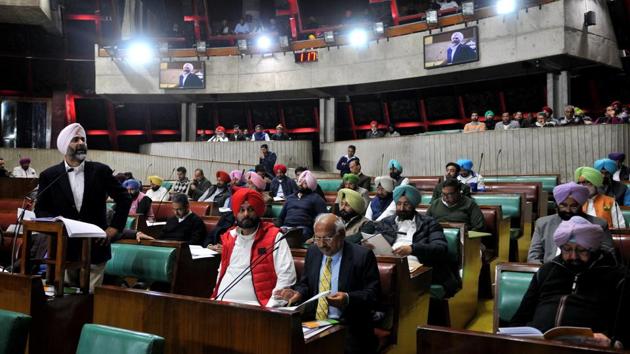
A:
451	48
182	75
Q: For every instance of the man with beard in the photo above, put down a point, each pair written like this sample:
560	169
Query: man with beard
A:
156	192
184	225
282	185
298	171
395	172
383	204
24	170
612	188
188	78
253	241
420	238
303	206
452	172
474	125
569	200
623	172
351	209
78	190
140	203
582	287
455	207
218	193
351	181
599	204
355	169
468	176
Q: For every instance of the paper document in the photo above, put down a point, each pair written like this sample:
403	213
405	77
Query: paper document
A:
520	332
198	252
380	245
278	199
311	332
559	333
302	305
156	223
225	210
28	215
76	228
11	229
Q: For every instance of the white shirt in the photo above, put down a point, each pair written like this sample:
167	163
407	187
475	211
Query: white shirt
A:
280	192
448	5
219	139
406	229
161	195
389	211
244	28
179	220
616	176
617	217
205	198
240	259
77	183
19	172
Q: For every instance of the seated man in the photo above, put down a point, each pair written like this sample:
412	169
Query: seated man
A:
395	172
420	238
383	204
623	172
303	206
219	192
452	172
262	172
455	207
598	204
219	135
298	171
612	188
350	272
199	185
184	225
351	181
581	287
257	183
140	203
355	168
351	209
468	176
156	192
24	170
569	200
252	241
236	178
182	183
281	185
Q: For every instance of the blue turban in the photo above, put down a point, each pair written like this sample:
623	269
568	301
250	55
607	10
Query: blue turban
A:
465	164
131	184
395	164
606	164
411	192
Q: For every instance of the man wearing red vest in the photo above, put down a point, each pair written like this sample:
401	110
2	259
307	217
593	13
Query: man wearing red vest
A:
253	241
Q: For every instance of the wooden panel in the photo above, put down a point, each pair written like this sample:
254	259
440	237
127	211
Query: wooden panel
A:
16	187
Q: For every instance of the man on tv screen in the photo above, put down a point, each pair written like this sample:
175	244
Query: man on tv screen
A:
188	78
459	52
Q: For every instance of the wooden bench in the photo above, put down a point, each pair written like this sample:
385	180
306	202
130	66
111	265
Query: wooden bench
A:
425	183
549	182
533	191
164	210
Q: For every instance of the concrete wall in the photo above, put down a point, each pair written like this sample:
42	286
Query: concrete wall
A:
290	153
554	29
523	151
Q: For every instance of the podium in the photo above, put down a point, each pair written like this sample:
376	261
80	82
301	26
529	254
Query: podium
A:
56	259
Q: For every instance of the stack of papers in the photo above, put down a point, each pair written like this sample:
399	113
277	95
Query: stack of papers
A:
76	228
313	328
302	305
156	223
380	245
198	252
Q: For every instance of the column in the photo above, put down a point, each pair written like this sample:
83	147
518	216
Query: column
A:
330	119
183	122
192	122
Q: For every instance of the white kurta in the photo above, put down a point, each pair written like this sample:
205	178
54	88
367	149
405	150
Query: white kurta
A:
161	195
243	291
19	172
406	229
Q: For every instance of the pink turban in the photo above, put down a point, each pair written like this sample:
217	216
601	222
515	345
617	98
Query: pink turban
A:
311	181
236	174
257	181
67	134
563	191
580	231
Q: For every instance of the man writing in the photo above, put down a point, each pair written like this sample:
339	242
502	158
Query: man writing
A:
80	194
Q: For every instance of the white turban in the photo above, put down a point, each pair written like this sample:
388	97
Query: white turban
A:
67	134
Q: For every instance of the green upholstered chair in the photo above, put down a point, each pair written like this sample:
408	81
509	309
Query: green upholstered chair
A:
329	185
168	184
548	182
99	339
14	328
275	210
426	199
626	215
452	238
149	263
512	282
131	223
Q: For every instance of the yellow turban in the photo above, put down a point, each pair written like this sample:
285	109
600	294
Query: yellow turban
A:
353	198
157	180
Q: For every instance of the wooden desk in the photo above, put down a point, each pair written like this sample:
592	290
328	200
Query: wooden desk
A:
439	340
198	326
16	187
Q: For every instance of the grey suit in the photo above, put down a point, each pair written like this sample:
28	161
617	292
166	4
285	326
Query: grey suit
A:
543	249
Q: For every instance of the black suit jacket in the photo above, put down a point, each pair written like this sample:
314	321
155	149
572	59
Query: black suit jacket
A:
99	183
192	81
358	276
463	54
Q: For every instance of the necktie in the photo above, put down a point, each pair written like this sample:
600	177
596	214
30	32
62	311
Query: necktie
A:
324	285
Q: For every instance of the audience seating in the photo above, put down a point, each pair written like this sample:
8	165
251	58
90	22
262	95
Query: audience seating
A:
168	264
511	284
14	328
329	184
99	339
621	240
164	210
533	191
425	183
549	181
404	299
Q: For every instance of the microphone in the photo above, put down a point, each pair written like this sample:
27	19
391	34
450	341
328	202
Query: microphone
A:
157	211
498	154
20	217
263	254
146	170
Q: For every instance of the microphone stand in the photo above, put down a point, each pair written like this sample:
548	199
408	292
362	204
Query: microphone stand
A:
157	211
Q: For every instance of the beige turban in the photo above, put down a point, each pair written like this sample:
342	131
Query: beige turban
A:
386	182
67	134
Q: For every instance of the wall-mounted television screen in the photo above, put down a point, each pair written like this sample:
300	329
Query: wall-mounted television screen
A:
451	48
182	75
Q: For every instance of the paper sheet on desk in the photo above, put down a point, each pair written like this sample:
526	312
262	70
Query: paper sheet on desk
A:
381	246
278	199
28	215
156	223
314	298
76	228
198	252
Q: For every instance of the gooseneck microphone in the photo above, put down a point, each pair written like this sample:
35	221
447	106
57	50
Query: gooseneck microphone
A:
161	201
20	217
497	160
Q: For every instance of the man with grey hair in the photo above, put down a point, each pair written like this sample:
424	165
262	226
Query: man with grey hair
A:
569	117
188	78
350	273
459	52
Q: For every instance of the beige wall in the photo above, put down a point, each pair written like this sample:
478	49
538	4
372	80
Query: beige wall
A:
523	151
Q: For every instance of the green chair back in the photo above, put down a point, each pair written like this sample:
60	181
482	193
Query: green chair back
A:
275	210
452	238
14	328
168	184
131	223
329	185
626	216
548	182
99	339
512	287
510	203
150	263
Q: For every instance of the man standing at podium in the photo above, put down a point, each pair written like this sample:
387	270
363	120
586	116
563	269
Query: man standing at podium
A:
80	194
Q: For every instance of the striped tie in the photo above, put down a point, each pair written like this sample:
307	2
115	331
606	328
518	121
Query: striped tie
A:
324	285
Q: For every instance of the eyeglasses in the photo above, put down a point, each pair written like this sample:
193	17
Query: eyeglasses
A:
449	195
322	239
578	250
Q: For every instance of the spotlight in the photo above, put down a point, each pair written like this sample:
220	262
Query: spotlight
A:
263	42
201	47
358	38
468	8
505	6
432	17
283	41
139	53
379	28
242	45
329	37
